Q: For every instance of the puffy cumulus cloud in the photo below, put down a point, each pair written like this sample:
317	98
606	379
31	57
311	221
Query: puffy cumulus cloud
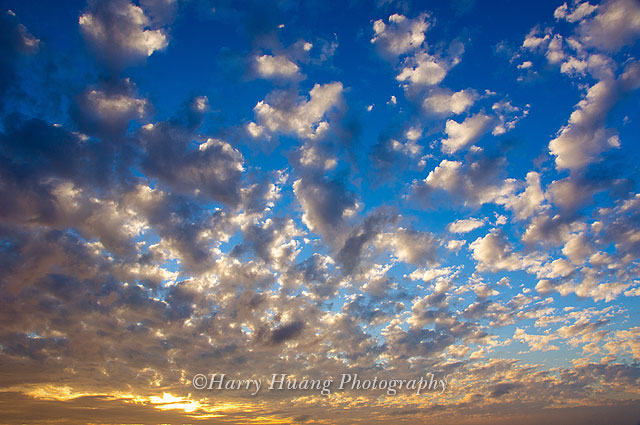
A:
577	248
530	201
400	35
326	204
556	268
585	137
572	193
547	230
274	241
37	154
578	11
317	156
212	169
474	183
423	69
391	152
598	65
121	32
536	342
461	135
616	24
494	252
109	110
455	244
427	275
525	65
445	102
536	41
276	67
599	257
152	255
507	116
358	239
619	225
446	175
465	225
555	51
305	118
411	246
585	284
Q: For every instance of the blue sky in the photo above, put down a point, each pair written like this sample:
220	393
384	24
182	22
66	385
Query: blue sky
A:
387	188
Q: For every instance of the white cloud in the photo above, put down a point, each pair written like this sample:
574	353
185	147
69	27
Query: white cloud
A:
533	42
423	69
536	342
121	31
493	253
305	118
455	244
268	66
400	35
445	176
410	246
555	52
474	184
461	135
616	24
110	109
584	138
529	201
507	116
445	102
578	12
465	225
116	106
577	248
427	275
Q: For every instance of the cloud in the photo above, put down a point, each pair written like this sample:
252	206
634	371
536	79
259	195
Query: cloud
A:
473	183
578	11
154	247
120	32
533	42
465	225
585	137
493	252
455	245
350	253
536	342
411	246
461	135
17	35
276	67
616	24
109	110
286	332
400	35
326	204
529	201
507	116
212	169
307	119
445	102
423	70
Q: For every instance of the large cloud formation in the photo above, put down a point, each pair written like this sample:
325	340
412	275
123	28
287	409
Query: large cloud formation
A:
290	218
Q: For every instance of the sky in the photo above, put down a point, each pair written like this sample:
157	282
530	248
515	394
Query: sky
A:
396	189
